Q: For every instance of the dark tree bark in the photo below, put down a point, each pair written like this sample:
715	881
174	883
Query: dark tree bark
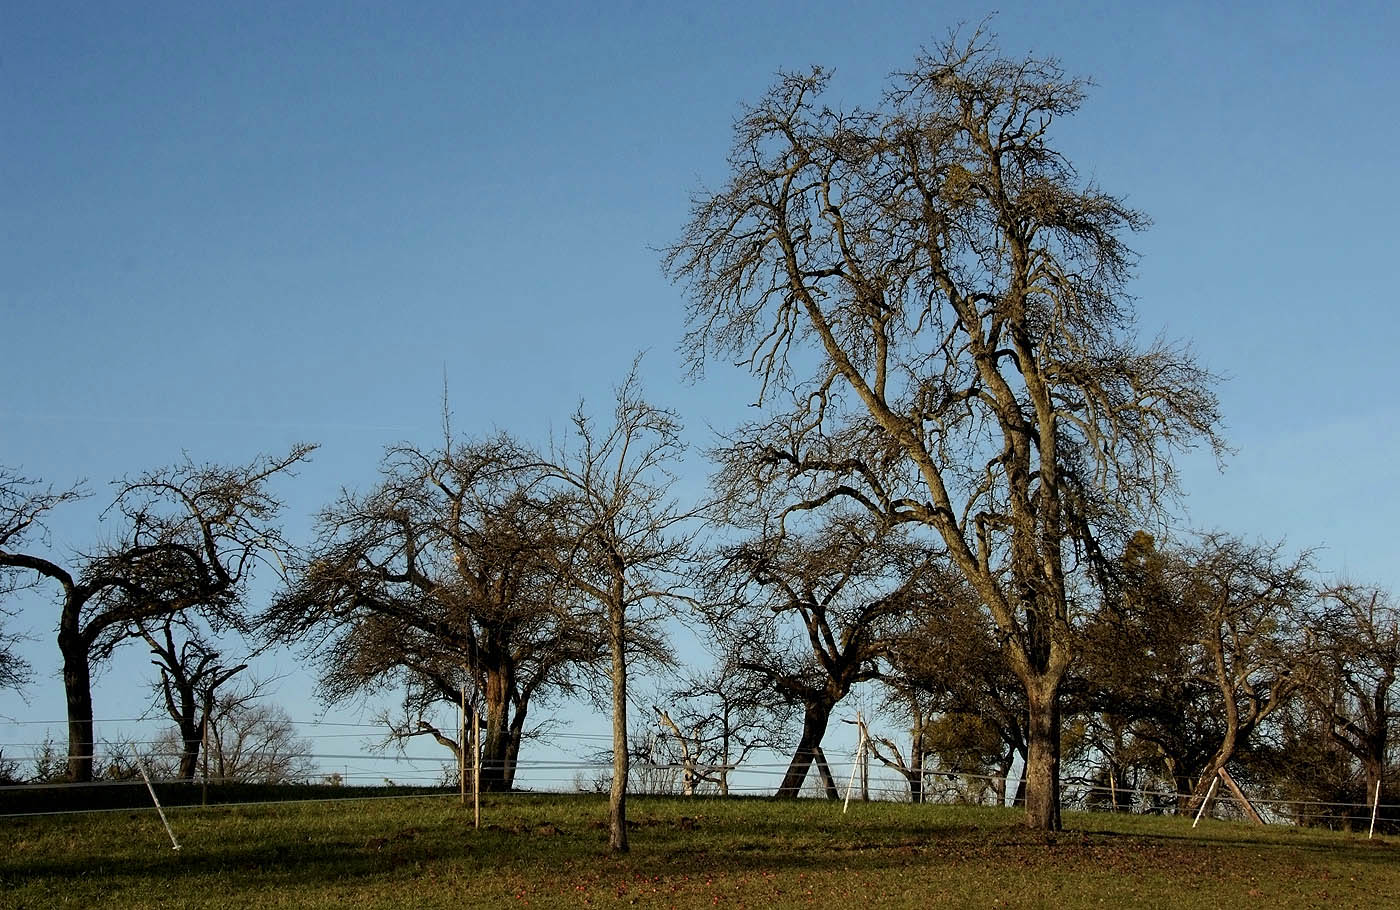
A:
815	717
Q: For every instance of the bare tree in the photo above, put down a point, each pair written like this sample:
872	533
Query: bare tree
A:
1358	631
629	541
192	671
251	741
1252	601
187	538
723	716
813	614
942	302
444	579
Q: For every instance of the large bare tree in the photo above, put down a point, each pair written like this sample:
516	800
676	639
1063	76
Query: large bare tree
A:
185	537
444	579
935	304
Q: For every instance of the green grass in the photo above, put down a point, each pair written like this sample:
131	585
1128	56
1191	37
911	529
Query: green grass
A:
551	851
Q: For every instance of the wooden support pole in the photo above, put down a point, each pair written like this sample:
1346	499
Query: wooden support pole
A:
462	748
1375	809
204	737
856	765
476	768
1243	800
1205	802
864	761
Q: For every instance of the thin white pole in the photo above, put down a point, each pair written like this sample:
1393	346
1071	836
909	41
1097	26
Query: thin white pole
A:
1206	802
462	748
1375	809
855	765
476	768
152	790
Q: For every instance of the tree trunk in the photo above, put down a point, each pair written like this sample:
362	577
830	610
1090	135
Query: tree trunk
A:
916	758
191	731
77	685
617	799
1042	771
1000	785
189	755
1182	782
824	772
815	717
496	745
1375	774
724	769
517	733
1212	770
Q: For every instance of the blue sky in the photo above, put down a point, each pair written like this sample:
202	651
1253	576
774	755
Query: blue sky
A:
223	230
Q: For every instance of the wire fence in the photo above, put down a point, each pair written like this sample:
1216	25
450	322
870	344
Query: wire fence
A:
317	769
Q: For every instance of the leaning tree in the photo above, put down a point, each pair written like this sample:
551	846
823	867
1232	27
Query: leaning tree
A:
813	614
181	538
935	303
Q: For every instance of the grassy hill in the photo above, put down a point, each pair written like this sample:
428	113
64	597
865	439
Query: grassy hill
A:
551	851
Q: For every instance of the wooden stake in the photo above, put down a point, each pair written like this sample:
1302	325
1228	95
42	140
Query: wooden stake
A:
476	768
1243	800
1375	809
462	748
855	766
204	735
864	761
1206	802
141	766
